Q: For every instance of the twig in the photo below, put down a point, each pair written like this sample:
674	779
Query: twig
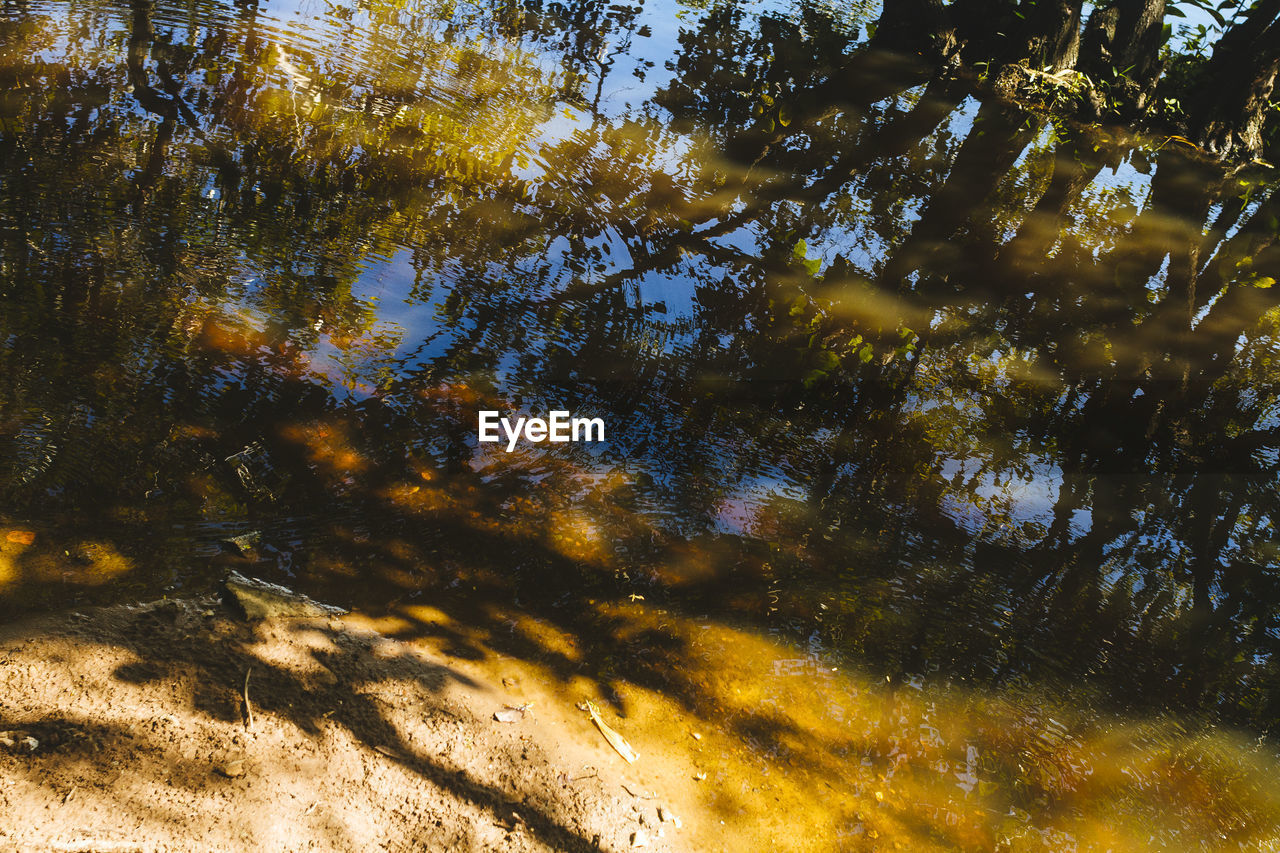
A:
637	796
248	708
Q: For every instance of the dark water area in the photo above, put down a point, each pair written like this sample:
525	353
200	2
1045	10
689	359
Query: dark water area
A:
928	383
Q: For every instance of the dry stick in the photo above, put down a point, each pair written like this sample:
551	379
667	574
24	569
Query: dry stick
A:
248	709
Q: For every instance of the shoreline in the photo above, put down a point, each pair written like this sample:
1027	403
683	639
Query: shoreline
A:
410	730
130	731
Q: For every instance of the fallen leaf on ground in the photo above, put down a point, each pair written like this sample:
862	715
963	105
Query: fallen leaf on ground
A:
617	741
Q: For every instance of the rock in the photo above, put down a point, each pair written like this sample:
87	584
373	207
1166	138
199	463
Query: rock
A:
245	542
512	713
256	599
639	838
18	742
233	769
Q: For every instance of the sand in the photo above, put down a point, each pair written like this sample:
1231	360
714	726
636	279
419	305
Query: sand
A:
127	729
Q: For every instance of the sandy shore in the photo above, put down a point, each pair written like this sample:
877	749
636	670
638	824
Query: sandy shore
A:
127	728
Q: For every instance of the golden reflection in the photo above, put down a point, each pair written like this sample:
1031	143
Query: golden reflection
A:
85	563
28	559
575	536
328	446
16	541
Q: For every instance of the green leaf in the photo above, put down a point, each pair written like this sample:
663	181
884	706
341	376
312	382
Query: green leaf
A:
827	360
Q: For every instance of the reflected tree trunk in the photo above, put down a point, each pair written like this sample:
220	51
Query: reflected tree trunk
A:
1121	46
1229	107
1043	35
999	134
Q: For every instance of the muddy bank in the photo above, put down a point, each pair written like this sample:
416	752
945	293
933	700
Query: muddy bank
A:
128	729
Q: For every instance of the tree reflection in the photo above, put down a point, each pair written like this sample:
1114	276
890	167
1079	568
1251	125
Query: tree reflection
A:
990	392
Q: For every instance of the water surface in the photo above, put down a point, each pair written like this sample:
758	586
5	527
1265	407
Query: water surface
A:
942	435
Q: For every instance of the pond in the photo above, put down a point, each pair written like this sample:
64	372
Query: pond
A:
941	435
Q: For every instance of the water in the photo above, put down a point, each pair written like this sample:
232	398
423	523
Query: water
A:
940	434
